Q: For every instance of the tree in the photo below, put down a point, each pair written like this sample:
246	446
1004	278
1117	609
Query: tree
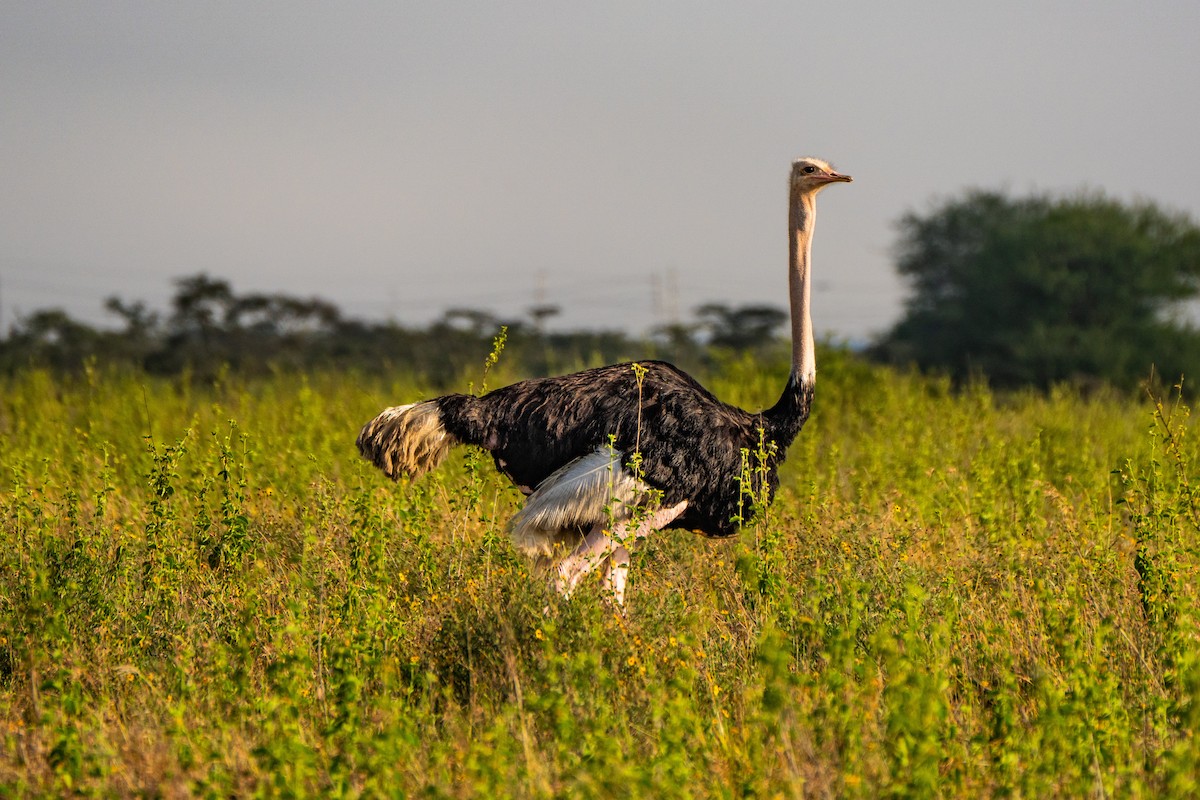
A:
741	328
49	338
1038	290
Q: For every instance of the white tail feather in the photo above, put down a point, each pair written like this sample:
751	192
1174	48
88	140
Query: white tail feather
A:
586	491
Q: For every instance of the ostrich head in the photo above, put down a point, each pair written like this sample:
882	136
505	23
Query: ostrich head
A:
811	175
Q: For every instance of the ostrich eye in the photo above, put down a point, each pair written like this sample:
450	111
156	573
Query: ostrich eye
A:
809	170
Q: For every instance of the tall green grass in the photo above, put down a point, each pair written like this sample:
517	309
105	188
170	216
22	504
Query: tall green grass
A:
203	591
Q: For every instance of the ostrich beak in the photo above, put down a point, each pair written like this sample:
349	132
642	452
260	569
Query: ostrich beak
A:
840	178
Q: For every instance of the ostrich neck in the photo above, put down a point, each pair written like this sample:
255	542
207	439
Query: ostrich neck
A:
783	420
802	218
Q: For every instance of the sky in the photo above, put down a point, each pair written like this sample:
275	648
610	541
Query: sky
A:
626	161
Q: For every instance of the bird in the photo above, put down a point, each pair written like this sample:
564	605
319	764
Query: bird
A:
608	456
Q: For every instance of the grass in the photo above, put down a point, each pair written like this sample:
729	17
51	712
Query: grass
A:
203	591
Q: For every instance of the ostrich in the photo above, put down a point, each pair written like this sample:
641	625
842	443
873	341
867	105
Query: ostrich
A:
608	455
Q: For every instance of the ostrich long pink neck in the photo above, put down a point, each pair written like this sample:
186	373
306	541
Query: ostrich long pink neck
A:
802	217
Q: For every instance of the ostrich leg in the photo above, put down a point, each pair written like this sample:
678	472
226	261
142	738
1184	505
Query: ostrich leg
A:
600	546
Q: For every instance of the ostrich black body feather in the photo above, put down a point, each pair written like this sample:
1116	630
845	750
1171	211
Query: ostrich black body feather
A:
691	444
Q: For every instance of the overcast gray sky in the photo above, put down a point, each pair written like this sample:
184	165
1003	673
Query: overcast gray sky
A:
400	158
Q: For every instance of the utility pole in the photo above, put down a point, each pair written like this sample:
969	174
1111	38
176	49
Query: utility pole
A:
672	296
656	299
539	289
542	309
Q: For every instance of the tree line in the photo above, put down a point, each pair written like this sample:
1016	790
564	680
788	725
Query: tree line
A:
1020	291
211	327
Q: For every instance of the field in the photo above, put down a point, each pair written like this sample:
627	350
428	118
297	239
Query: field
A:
203	591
